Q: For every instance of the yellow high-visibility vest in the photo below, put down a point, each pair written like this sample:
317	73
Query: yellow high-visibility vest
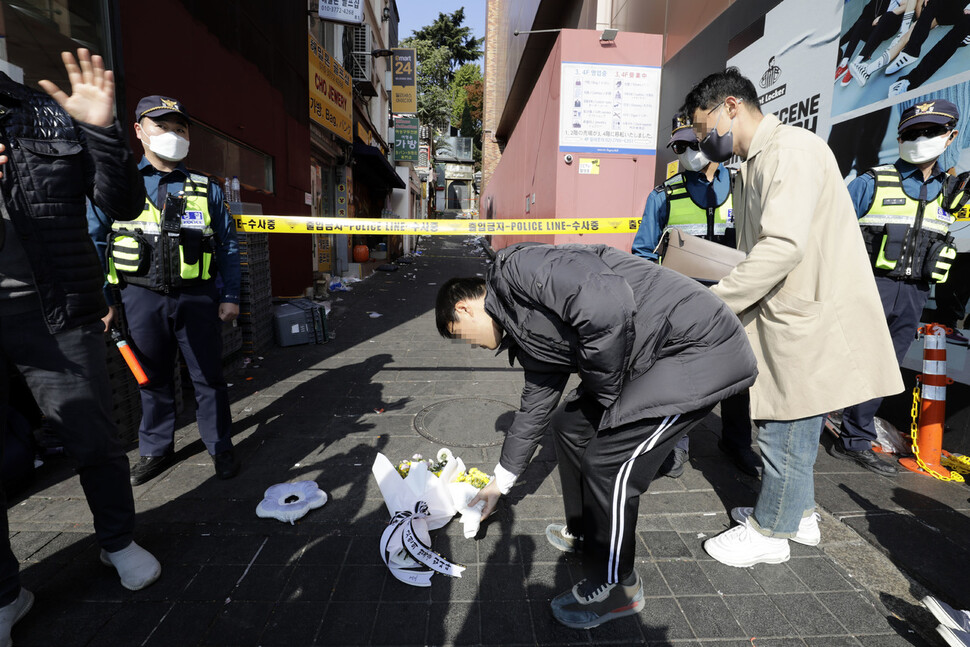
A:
140	253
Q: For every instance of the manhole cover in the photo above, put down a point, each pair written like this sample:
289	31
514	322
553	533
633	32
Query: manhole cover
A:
465	422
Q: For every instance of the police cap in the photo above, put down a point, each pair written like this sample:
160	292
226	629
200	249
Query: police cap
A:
681	129
931	111
157	106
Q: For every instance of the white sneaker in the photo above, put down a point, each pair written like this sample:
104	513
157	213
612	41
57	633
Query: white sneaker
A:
900	62
947	615
11	613
860	72
899	87
808	531
743	546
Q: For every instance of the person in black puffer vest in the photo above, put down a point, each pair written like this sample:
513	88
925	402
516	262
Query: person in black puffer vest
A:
55	152
654	350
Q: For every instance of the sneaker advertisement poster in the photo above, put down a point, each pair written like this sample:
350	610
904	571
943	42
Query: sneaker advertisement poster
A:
781	56
782	52
848	69
898	50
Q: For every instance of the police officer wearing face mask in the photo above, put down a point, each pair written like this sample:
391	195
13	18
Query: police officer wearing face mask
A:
697	201
166	261
906	229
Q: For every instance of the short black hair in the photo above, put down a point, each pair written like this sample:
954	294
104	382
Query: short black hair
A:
455	290
717	87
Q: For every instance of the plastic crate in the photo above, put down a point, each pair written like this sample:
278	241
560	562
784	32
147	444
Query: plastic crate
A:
300	321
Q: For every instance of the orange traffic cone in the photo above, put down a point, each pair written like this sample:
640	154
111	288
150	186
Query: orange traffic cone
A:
928	441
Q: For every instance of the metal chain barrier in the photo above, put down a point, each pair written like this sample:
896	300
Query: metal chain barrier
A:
955	475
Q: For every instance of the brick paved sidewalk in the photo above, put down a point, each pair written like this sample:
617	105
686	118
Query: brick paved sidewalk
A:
322	413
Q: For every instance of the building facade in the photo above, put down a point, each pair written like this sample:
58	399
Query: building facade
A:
527	45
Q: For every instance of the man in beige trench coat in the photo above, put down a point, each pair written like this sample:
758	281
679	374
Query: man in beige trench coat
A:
807	299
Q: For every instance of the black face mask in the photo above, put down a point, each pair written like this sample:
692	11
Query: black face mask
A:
717	147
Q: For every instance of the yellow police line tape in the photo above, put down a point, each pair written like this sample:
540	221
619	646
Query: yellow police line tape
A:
396	226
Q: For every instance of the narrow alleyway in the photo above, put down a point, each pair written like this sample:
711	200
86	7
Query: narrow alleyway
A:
323	412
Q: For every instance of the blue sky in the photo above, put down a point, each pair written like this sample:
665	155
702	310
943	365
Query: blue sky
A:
416	14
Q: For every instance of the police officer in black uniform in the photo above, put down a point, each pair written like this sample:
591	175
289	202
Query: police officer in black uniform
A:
167	260
906	229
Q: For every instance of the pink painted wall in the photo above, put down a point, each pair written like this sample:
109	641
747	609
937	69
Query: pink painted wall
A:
532	163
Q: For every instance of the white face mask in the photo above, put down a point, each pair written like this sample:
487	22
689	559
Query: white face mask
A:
169	146
923	149
693	160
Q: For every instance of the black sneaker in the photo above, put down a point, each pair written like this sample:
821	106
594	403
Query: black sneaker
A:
561	539
226	464
957	337
588	605
673	465
148	467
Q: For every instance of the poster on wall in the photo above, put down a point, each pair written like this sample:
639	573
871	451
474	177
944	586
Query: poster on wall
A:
897	50
609	108
877	62
782	60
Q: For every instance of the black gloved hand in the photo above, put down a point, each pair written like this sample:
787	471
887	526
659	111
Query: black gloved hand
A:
956	192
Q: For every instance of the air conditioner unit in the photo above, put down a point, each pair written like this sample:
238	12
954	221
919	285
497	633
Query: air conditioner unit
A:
362	61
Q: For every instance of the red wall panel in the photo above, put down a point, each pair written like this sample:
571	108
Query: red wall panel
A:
532	163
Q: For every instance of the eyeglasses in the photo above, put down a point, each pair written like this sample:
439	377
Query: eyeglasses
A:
681	147
931	131
699	129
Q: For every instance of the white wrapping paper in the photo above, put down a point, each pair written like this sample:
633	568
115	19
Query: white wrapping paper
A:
419	503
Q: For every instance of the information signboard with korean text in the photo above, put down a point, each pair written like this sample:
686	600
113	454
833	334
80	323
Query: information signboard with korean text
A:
609	108
345	11
406	142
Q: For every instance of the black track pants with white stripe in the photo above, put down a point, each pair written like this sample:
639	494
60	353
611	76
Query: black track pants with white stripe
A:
603	475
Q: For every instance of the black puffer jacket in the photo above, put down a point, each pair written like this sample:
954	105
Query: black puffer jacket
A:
646	341
54	163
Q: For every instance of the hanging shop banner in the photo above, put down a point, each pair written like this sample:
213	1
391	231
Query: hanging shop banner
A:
404	87
609	108
342	192
330	93
349	12
451	227
406	140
